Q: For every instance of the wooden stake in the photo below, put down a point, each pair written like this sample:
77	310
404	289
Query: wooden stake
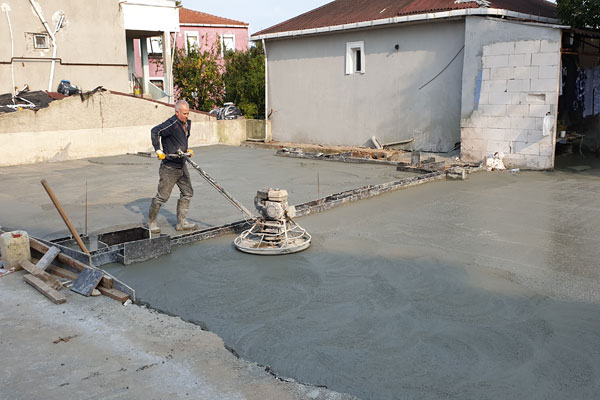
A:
318	187
64	216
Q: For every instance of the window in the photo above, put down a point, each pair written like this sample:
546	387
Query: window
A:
191	40
154	45
355	58
227	43
158	82
41	41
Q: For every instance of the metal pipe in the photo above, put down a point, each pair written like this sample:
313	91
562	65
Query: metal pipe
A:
213	183
5	8
86	209
58	26
64	216
47	59
172	87
38	11
266	92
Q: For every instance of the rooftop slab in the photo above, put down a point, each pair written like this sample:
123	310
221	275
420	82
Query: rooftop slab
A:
485	288
456	289
120	188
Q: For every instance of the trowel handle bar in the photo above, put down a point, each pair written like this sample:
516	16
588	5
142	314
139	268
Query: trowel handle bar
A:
213	183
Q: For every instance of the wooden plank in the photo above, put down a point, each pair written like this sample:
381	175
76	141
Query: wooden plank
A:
87	281
42	275
63	273
48	258
109	292
107	281
71	262
53	295
114	294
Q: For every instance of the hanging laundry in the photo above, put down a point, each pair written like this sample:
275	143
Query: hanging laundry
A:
591	94
548	126
578	104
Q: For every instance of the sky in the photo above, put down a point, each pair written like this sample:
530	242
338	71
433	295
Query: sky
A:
260	14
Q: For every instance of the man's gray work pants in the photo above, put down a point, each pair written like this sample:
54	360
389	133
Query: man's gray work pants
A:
170	176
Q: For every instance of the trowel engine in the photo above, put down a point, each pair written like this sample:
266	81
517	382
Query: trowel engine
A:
274	231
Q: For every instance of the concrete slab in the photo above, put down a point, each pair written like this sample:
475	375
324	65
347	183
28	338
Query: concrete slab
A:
120	188
485	288
95	348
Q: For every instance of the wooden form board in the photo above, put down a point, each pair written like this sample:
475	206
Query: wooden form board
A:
44	289
47	259
107	281
41	275
108	292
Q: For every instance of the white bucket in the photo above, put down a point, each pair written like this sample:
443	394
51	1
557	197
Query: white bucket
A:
14	247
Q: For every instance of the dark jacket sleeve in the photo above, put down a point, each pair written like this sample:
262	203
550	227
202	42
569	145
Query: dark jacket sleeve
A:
160	130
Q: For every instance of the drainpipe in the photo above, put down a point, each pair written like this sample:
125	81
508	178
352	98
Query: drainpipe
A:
38	11
172	94
6	8
266	92
58	26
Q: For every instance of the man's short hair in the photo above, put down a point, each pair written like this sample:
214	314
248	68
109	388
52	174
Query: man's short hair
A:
180	103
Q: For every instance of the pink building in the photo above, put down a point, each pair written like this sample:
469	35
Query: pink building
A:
196	29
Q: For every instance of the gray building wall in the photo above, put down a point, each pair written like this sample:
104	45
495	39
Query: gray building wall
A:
91	45
314	101
510	81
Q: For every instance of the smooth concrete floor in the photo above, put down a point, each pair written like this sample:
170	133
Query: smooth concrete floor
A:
479	289
120	189
482	289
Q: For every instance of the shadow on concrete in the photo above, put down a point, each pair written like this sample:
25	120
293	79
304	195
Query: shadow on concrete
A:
575	163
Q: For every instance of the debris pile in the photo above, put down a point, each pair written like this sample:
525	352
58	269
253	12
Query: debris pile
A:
55	270
494	162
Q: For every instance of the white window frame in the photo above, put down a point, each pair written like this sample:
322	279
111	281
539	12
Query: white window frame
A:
228	36
187	43
352	48
156	78
44	37
154	45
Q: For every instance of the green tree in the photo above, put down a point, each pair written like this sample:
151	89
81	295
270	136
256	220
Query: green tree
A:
198	76
579	13
245	80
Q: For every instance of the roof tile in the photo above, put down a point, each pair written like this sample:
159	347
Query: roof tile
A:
187	16
341	12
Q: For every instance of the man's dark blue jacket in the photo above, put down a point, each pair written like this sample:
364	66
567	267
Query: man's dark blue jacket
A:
173	138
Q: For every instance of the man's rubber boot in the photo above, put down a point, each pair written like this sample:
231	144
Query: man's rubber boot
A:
152	214
182	209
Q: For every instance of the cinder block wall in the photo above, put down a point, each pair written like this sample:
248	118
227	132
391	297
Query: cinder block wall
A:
515	87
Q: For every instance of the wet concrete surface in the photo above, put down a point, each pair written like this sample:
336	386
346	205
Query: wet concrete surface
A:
121	188
482	289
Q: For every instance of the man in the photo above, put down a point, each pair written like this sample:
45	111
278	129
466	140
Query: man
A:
173	134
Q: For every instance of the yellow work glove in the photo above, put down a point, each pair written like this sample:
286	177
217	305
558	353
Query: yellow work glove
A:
190	152
160	154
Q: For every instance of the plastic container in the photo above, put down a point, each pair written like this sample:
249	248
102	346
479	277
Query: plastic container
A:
14	247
